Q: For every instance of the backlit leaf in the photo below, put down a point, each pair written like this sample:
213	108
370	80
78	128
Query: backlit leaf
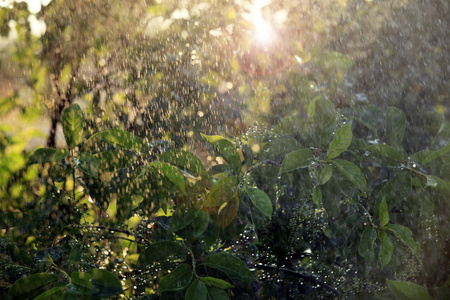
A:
72	120
88	164
226	149
408	290
176	280
352	173
160	251
184	160
297	159
261	201
106	283
340	143
43	155
221	192
121	139
230	265
384	213
171	173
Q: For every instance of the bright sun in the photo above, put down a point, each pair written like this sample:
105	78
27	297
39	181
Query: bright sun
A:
264	32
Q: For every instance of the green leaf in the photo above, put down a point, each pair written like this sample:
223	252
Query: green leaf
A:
261	201
88	164
54	293
43	155
105	283
221	284
395	190
215	293
72	120
196	291
184	160
171	173
226	149
404	234
317	196
352	173
199	223
61	171
28	286
81	279
297	159
436	154
386	249
366	243
227	212
395	126
111	160
324	115
431	181
325	174
340	143
121	139
279	147
180	219
387	151
230	265
176	280
221	192
160	251
383	213
408	290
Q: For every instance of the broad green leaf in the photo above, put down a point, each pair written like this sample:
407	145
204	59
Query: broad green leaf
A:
436	154
340	143
196	291
387	151
366	243
227	212
386	248
325	174
221	192
317	196
105	283
43	155
230	265
395	190
111	160
217	293
431	181
171	173
160	251
404	234
395	126
297	159
72	120
383	213
261	201
226	149
184	160
176	280
180	219
121	139
279	147
352	173
88	164
408	290
27	287
54	293
324	121
221	284
199	223
331	198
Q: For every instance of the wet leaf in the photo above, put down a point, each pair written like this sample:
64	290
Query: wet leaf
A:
395	190
261	201
386	249
340	143
72	120
230	265
221	284
221	192
404	234
199	223
387	151
171	173
217	293
408	290
160	251
297	159
352	173
279	147
176	280
111	160
28	286
196	291
105	283
395	126
184	160
366	243
317	196
325	174
43	155
180	219
436	154
54	293
88	164
227	212
226	149
121	139
384	213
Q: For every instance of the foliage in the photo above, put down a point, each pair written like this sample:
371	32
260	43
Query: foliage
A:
313	210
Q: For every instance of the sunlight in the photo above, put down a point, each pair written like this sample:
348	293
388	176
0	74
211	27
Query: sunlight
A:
264	32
